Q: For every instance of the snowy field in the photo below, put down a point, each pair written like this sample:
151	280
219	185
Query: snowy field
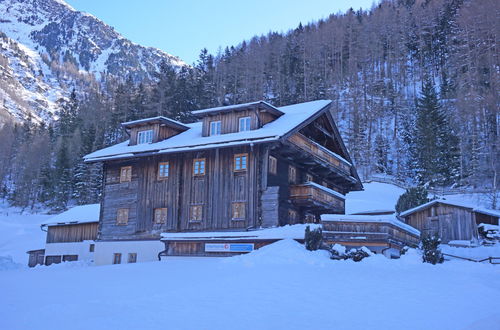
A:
281	286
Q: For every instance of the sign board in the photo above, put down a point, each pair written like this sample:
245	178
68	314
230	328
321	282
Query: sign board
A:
229	247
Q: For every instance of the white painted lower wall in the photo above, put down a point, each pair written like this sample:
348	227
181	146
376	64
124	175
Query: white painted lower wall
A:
145	250
82	249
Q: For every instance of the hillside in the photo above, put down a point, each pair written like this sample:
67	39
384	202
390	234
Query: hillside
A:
47	48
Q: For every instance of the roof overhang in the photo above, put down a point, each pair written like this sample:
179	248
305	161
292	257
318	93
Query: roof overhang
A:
156	120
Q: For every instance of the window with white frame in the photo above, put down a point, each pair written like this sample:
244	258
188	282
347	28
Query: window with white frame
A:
145	136
215	127
244	124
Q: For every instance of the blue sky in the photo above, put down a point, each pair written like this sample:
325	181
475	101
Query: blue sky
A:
184	27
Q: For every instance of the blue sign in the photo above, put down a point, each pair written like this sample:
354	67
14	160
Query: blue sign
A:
229	247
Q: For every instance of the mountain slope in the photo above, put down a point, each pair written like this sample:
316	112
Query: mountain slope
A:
47	48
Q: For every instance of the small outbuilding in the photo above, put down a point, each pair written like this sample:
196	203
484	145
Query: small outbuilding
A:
451	221
381	232
71	236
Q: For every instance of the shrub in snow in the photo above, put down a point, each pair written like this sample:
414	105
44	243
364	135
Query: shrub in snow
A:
413	197
431	252
338	252
403	250
359	253
313	238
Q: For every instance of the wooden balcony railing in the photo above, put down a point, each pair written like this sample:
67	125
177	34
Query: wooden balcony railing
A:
319	151
312	196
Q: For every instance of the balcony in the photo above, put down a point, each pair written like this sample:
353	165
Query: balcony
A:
316	198
320	153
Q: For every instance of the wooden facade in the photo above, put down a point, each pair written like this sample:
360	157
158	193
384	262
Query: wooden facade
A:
450	222
72	232
233	186
370	234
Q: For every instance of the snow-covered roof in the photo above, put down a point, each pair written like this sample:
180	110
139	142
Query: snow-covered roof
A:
290	231
78	214
159	119
388	218
237	107
474	208
192	139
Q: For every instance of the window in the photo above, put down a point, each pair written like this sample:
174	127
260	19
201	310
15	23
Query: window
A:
240	162
215	127
309	178
163	169
145	136
244	124
49	260
292	174
292	216
196	213
91	247
122	217
126	174
199	166
160	215
70	257
238	211
117	258
132	258
273	165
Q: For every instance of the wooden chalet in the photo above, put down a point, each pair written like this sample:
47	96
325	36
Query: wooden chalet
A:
451	221
239	167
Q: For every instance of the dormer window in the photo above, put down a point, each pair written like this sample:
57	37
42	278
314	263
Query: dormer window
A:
145	136
244	124
215	127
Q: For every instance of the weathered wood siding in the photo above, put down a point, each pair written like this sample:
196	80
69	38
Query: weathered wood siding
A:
160	132
215	192
197	248
72	233
218	189
343	231
449	222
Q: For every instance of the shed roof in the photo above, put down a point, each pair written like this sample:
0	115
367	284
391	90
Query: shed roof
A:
76	215
473	208
192	139
263	104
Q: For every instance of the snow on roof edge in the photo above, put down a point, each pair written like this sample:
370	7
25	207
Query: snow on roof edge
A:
490	212
235	106
391	219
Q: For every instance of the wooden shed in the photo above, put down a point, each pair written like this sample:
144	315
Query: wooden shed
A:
451	221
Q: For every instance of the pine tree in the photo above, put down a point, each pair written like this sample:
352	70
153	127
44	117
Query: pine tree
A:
411	198
436	146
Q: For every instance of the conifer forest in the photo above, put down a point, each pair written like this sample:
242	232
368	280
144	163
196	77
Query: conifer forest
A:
415	85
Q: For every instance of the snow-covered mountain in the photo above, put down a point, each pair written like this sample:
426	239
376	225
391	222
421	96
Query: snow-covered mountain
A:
47	48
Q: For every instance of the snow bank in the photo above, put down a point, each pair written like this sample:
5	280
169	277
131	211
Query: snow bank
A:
480	252
283	252
375	196
6	263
